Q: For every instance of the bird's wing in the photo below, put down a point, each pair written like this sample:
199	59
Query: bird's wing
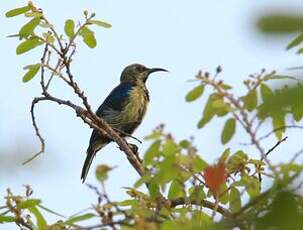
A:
115	102
110	109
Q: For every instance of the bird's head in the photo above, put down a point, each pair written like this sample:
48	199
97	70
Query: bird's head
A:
137	73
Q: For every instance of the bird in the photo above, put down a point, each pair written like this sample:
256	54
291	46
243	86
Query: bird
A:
123	109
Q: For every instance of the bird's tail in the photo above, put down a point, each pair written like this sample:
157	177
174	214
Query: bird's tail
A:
90	155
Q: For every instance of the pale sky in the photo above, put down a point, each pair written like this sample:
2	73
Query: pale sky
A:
181	36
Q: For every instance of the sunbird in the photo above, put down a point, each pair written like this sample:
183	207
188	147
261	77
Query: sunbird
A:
123	109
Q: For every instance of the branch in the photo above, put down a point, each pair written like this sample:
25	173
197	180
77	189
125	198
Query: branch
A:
131	156
242	118
87	115
41	139
100	125
204	203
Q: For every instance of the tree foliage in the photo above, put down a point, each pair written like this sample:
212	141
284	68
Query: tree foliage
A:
183	190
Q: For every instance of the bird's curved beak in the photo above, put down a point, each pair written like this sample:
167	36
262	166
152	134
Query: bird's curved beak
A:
152	70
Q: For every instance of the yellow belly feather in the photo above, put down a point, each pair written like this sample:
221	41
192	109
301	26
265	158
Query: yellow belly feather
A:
135	109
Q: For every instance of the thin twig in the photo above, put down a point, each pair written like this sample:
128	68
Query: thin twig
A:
34	102
100	226
280	128
55	34
269	151
205	203
275	146
53	73
296	155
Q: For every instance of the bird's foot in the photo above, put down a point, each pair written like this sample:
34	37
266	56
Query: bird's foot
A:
135	149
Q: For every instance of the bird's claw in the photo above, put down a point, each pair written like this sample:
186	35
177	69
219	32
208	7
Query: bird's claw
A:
134	149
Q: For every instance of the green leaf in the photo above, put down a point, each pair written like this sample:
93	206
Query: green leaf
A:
266	92
199	164
29	203
28	45
256	162
79	218
32	71
168	170
278	77
284	213
5	219
17	11
176	190
197	194
153	188
102	172
228	130
297	111
142	180
252	186
101	23
218	103
201	221
153	151
250	100
278	122
88	37
225	86
237	161
41	222
128	203
291	167
225	155
69	28
33	14
296	41
195	93
281	101
154	135
234	200
224	194
29	27
184	144
279	23
221	107
208	113
170	147
48	38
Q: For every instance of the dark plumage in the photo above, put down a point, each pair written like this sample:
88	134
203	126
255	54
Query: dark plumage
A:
123	109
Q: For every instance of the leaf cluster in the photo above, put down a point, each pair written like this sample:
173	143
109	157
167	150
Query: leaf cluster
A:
177	188
38	31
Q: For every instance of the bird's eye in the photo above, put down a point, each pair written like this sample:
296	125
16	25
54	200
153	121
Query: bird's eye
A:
140	68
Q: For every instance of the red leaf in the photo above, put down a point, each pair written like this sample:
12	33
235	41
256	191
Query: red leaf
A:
215	176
